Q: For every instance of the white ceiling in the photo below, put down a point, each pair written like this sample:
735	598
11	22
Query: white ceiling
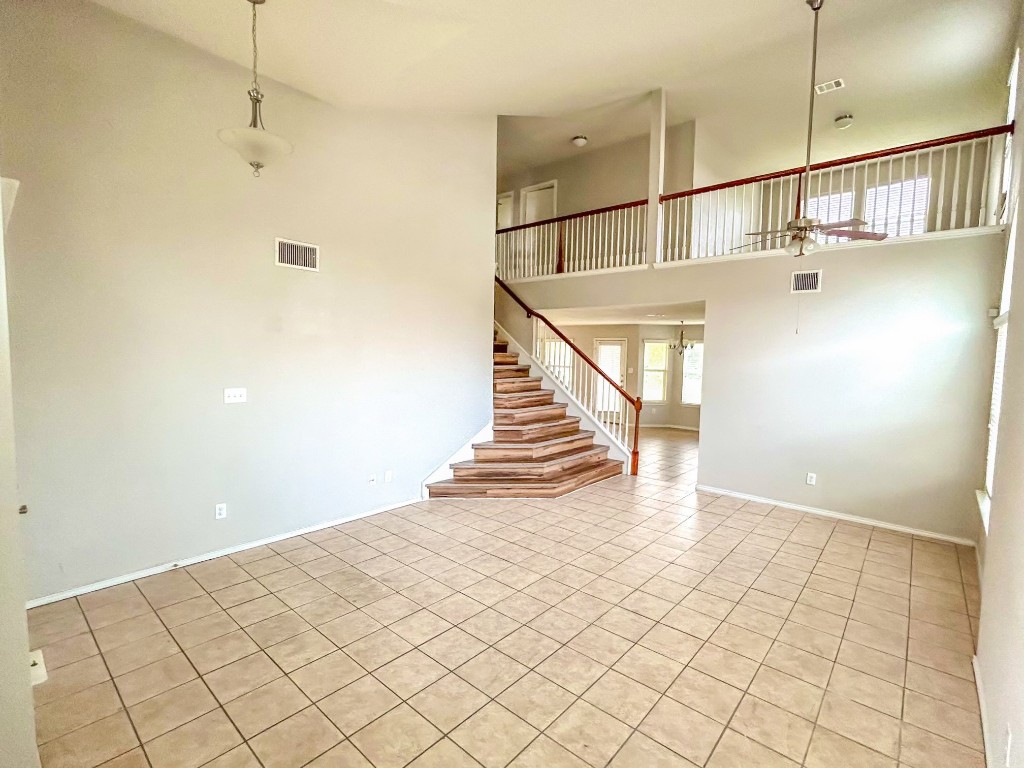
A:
692	313
914	66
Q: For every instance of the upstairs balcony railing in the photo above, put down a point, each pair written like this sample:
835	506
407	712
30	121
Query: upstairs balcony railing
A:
945	184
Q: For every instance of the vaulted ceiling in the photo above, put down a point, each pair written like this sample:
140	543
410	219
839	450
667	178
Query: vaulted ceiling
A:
913	66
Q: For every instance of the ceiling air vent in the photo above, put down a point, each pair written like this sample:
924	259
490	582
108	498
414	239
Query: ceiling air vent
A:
291	253
806	282
828	87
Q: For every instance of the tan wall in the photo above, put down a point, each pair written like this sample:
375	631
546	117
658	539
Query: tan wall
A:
610	175
142	282
883	393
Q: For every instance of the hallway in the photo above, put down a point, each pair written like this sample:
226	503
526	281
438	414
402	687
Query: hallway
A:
669	455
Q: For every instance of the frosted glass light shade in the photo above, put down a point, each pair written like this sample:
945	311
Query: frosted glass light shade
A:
256	146
801	245
8	191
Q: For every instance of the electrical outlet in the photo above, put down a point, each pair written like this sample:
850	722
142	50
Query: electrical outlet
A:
389	475
220	511
812	479
1009	744
235	395
373	479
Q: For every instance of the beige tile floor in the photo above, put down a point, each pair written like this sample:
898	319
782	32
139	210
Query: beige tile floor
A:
631	624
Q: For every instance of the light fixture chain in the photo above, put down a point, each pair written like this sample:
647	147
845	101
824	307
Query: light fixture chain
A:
255	52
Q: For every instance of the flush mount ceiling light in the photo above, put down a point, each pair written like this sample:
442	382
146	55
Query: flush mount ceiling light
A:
256	145
580	141
844	121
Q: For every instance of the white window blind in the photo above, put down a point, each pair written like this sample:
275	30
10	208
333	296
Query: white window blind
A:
656	356
828	208
994	412
900	208
693	373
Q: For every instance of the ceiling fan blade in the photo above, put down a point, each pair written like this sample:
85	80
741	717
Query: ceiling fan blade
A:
842	224
854	234
750	245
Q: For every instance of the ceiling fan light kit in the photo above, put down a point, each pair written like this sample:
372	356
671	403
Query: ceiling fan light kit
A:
801	228
254	143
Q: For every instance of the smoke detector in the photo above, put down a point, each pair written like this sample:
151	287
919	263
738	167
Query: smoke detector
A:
844	121
580	141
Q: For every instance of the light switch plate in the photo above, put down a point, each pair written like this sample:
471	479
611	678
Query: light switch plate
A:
235	395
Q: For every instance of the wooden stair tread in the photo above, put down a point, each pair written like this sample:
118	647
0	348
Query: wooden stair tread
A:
545	462
525	409
538	444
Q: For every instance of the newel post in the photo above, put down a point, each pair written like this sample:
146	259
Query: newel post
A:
634	464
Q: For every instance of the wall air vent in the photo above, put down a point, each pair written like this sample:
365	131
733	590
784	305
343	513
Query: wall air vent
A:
828	87
291	253
806	282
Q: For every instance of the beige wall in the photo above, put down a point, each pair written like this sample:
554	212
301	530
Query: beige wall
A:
17	725
142	283
883	393
610	175
1001	674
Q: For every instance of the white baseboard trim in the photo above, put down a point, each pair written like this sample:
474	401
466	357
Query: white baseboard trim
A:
56	597
840	516
990	758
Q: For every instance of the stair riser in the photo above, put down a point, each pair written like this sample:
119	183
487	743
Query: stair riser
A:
504	386
500	347
527	451
512	373
554	413
506	358
529	433
524	401
526	472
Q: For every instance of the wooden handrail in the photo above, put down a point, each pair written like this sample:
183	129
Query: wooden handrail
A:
636	402
570	216
866	157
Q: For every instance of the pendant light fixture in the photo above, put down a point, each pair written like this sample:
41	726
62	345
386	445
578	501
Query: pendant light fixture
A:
256	145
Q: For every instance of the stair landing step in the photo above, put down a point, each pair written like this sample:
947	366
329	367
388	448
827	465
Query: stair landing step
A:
495	489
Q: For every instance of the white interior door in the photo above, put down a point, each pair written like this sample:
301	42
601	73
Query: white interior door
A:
539	202
610	356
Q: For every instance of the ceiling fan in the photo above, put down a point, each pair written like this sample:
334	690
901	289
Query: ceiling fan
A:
802	228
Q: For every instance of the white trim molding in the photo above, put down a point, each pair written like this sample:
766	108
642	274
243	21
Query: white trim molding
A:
113	582
986	737
841	516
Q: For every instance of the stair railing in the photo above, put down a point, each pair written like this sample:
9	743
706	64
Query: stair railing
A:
602	396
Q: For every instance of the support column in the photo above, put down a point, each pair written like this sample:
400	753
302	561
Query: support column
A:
655	175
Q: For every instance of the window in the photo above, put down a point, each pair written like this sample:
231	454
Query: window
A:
829	208
693	373
655	387
557	357
900	208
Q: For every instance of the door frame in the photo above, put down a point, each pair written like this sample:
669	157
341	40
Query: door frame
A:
511	196
553	183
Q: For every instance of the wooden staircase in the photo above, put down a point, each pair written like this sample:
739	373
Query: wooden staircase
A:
538	451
